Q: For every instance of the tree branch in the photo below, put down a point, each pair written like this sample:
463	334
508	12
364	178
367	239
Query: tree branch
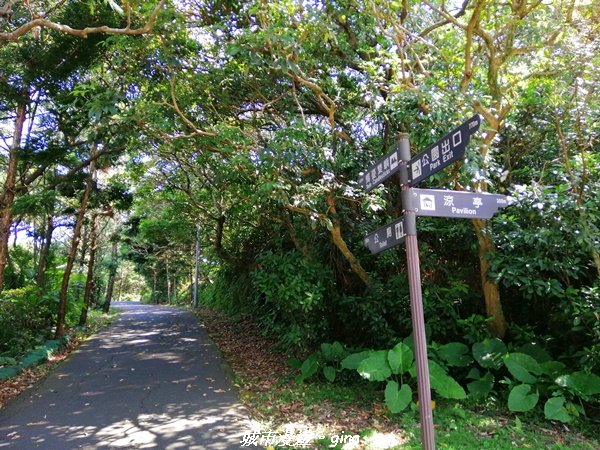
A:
175	107
83	33
40	170
444	22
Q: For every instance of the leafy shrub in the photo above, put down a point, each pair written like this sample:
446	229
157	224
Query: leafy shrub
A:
26	318
396	367
580	322
228	291
530	375
291	293
19	268
523	375
378	317
544	258
326	361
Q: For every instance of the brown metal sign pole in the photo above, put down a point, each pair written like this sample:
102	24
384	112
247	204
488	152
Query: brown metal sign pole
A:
416	300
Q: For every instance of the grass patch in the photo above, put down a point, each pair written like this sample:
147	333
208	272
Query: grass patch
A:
97	320
334	412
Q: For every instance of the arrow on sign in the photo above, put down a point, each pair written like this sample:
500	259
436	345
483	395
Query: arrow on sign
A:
386	237
457	204
443	153
380	171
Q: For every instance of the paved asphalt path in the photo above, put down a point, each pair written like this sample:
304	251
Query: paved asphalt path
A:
152	380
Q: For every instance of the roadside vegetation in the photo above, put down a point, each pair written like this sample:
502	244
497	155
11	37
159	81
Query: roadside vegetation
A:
270	388
24	378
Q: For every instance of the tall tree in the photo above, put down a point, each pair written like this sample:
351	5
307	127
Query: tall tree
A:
90	277
112	274
9	189
62	300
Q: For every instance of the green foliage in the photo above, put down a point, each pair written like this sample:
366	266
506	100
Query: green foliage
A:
376	318
396	367
375	367
292	291
523	367
400	358
530	375
489	353
397	398
20	268
254	120
26	319
522	377
548	240
584	384
455	354
327	362
227	292
521	398
554	409
482	386
443	384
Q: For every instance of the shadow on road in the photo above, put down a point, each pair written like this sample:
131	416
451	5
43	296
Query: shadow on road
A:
152	380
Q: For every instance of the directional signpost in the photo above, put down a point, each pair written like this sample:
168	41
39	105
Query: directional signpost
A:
386	237
457	204
443	153
425	202
380	171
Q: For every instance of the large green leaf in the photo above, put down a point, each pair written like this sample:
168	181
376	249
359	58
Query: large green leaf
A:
521	399
534	350
522	366
351	362
443	384
489	353
400	358
375	367
554	409
455	354
397	399
582	383
330	373
586	383
481	387
309	367
333	352
553	369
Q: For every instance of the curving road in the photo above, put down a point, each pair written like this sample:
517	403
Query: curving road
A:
152	380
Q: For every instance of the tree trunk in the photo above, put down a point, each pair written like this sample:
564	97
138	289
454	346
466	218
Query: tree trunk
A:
15	232
340	243
493	305
196	267
8	194
168	282
90	280
175	288
112	275
154	293
45	252
120	287
84	249
62	302
491	291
